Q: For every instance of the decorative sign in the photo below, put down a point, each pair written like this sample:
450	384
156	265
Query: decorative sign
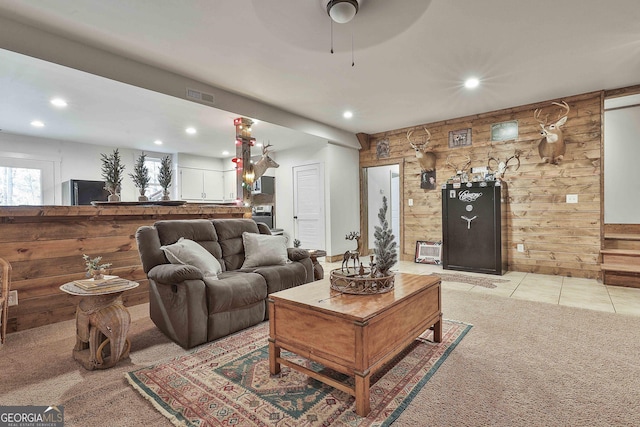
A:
460	138
504	131
382	148
428	180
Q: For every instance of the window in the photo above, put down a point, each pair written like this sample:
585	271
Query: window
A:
154	192
20	186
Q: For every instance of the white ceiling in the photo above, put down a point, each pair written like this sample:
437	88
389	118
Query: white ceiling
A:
411	58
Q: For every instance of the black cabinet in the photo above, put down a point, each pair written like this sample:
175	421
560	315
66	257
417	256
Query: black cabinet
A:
473	227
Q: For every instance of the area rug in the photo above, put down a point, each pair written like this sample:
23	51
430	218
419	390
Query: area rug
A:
227	383
471	280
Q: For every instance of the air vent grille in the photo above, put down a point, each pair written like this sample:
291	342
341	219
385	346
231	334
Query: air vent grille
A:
429	252
200	96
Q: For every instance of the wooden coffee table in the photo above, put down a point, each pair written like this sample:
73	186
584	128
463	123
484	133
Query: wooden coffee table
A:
352	334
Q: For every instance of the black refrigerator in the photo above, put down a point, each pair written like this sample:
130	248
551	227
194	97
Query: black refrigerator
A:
474	227
83	192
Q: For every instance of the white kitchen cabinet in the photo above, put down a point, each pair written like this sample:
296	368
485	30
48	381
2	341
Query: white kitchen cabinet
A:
201	185
230	191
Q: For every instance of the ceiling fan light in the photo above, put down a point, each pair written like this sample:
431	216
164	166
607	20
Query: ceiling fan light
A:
342	11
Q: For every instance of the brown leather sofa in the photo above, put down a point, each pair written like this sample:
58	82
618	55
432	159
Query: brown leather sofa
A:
192	308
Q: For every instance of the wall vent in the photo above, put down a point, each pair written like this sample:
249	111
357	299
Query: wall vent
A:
429	252
199	96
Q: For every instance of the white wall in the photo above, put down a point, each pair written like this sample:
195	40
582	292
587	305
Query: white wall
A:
71	161
342	191
621	154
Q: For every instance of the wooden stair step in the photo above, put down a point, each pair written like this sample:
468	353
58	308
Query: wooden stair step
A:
618	236
625	252
621	268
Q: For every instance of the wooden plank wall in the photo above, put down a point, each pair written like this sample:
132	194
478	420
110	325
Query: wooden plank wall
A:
45	251
559	238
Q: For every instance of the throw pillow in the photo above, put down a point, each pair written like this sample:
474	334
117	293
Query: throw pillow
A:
188	252
262	250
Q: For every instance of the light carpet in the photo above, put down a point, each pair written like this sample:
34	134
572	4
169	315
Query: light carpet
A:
228	383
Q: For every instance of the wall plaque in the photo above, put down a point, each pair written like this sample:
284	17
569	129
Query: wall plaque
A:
460	138
504	131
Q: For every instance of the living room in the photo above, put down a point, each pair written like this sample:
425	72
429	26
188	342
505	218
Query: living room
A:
547	235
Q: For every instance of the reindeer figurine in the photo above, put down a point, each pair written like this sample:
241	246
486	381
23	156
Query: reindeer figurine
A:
354	255
552	146
501	167
265	162
426	159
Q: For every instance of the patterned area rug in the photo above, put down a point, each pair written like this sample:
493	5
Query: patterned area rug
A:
472	280
228	383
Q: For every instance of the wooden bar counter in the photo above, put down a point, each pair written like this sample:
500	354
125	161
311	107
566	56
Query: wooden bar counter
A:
45	244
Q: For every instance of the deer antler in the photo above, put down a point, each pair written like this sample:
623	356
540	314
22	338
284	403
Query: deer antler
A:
265	148
455	167
565	106
426	141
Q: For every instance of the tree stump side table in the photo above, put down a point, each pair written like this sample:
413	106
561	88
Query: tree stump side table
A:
318	271
102	324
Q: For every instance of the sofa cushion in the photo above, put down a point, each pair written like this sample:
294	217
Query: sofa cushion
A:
280	277
262	250
229	233
234	290
188	252
198	230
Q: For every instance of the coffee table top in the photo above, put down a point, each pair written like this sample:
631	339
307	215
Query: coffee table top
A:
319	296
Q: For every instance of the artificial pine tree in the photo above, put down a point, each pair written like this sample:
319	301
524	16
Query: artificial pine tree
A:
140	176
385	251
112	170
164	176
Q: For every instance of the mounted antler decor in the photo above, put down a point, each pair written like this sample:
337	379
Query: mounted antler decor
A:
459	169
502	166
265	162
552	146
426	159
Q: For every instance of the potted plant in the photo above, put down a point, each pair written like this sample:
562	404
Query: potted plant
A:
385	244
164	176
94	269
140	177
112	170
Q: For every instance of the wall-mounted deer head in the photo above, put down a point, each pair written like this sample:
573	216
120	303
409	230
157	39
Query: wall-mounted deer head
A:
552	146
502	166
265	162
459	168
426	159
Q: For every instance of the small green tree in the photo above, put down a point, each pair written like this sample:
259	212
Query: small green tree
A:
112	170
140	175
385	244
165	175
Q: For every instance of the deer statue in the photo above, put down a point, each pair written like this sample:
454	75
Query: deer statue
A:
552	146
426	159
502	166
354	255
265	162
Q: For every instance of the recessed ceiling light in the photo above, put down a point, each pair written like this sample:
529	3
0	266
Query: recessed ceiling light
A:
347	114
471	83
157	142
37	124
225	153
59	102
191	131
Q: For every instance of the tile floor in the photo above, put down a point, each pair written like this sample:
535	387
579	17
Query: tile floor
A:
569	291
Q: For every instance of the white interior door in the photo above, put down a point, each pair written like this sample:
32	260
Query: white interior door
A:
308	205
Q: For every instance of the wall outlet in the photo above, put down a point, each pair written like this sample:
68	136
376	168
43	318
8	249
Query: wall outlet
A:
572	198
13	298
520	247
410	202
